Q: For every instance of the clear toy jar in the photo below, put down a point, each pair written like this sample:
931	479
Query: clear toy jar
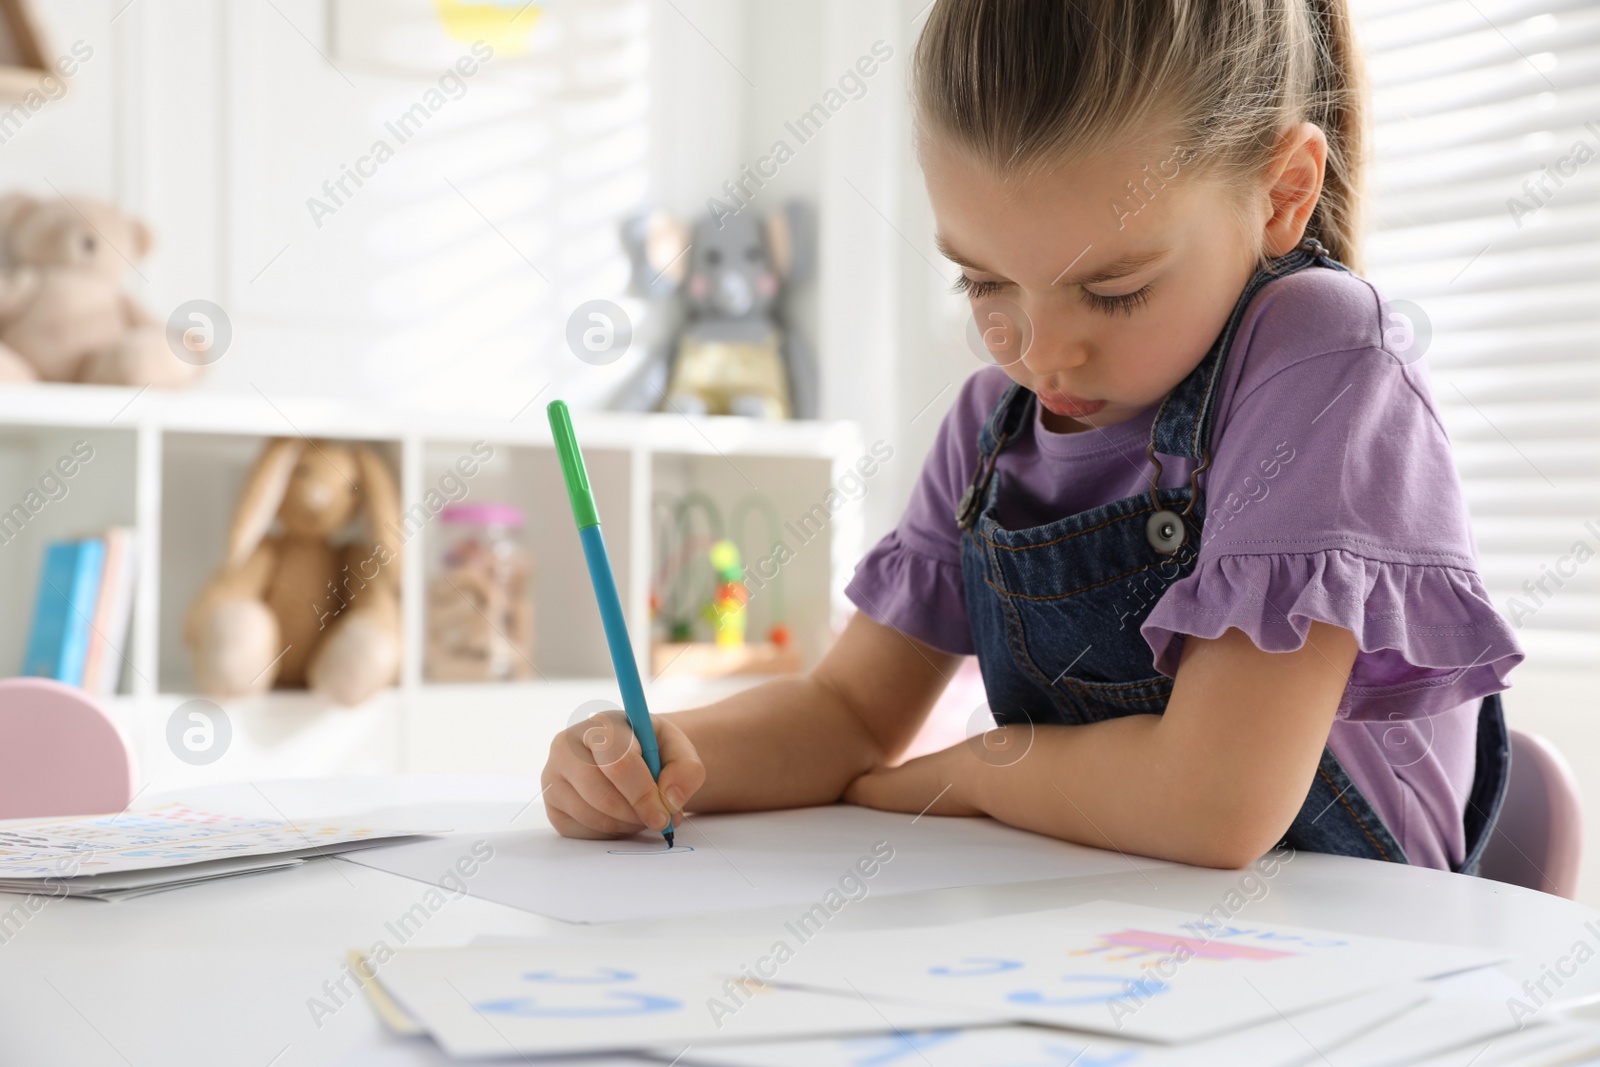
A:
480	597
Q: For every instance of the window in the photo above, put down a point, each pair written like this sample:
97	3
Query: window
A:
1485	216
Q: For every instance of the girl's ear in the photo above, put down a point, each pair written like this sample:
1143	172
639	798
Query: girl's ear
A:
262	496
1294	184
382	502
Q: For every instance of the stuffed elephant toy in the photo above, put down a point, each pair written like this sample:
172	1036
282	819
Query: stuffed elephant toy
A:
732	353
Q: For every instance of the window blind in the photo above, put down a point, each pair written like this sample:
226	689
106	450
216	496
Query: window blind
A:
1484	215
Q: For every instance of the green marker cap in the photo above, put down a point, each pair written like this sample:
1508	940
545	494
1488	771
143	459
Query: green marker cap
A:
572	468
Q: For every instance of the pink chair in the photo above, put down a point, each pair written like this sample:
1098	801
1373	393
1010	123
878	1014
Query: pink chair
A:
60	753
1538	840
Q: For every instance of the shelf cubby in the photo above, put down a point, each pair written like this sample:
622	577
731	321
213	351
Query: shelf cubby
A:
100	492
173	465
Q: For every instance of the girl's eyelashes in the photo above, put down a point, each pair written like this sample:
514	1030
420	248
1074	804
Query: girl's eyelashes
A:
974	288
1125	304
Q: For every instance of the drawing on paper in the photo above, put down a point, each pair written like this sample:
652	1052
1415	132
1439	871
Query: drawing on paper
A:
663	851
1139	944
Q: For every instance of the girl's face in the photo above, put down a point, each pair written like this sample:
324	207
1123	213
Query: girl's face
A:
1095	298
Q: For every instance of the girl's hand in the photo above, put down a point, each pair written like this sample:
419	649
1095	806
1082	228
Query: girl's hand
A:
935	784
596	784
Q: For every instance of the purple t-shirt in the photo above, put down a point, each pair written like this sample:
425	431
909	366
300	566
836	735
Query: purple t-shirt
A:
1331	496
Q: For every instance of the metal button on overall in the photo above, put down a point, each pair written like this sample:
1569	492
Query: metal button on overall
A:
1165	532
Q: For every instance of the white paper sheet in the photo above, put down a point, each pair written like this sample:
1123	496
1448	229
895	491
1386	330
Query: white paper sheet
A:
1122	970
1560	1043
181	877
1441	1025
1283	1042
933	1048
763	859
617	996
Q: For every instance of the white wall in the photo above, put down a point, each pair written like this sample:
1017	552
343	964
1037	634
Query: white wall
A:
217	122
446	279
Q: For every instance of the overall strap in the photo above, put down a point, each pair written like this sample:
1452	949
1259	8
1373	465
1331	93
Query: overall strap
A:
1185	422
1006	418
1002	425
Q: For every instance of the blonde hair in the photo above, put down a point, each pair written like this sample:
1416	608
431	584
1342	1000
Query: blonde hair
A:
1023	84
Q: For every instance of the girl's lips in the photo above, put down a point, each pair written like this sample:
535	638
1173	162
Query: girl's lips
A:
1069	406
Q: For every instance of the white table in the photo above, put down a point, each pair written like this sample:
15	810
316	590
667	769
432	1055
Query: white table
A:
223	974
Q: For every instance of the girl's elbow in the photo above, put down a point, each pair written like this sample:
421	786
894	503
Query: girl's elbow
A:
1233	841
1232	856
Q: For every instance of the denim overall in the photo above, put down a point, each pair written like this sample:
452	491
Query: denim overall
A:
1056	609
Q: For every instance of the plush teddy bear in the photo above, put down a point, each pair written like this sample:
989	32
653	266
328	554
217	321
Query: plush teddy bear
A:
297	609
63	314
734	354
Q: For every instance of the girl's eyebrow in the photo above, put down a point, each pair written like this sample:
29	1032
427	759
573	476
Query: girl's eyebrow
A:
955	257
1116	269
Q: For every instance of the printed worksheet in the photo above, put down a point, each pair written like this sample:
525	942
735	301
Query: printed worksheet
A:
830	855
64	849
1391	1026
1123	970
701	1001
570	998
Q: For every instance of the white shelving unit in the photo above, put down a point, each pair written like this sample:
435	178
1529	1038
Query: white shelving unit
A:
172	464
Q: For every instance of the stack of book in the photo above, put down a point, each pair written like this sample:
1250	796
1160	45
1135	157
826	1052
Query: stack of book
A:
82	610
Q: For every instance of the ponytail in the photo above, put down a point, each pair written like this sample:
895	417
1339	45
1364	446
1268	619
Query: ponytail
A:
1339	105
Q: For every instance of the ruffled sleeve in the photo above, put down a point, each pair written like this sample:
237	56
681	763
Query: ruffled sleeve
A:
1333	497
914	593
911	579
1429	637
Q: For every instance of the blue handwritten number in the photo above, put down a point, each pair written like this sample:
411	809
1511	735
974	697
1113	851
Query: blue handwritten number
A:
601	976
976	967
620	1004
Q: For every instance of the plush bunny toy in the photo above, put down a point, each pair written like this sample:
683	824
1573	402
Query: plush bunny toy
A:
734	354
295	608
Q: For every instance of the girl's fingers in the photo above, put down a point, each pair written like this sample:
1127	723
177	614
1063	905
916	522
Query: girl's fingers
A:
598	792
627	779
567	826
589	755
922	786
867	791
601	760
564	799
682	773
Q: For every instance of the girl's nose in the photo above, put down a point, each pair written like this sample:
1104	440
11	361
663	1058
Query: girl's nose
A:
1053	350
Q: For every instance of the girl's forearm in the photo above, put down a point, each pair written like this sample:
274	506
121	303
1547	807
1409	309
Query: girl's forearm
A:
790	742
1116	785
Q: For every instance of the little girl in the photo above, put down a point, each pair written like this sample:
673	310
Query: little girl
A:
1200	525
